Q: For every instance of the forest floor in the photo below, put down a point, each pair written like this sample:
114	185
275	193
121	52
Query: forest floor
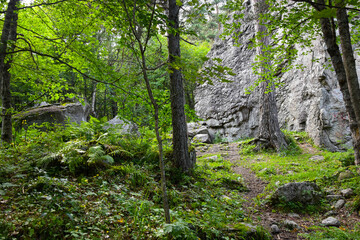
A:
255	206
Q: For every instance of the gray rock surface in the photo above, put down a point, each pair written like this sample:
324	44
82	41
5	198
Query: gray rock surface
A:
198	132
331	222
346	175
309	100
347	192
291	224
126	128
274	229
339	204
203	138
332	197
303	192
53	114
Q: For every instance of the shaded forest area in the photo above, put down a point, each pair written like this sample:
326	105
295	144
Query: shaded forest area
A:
140	61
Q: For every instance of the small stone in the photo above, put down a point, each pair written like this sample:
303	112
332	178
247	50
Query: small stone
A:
339	204
331	222
274	229
317	158
290	172
294	215
345	175
212	158
291	225
330	213
277	183
347	192
263	170
333	197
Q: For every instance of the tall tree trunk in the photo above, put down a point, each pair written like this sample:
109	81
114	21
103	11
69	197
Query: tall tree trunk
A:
8	37
338	64
270	135
180	139
93	101
351	74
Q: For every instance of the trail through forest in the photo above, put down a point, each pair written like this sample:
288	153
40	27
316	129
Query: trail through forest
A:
259	212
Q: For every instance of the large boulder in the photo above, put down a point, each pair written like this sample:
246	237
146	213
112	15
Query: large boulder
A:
197	132
306	193
53	114
126	128
308	100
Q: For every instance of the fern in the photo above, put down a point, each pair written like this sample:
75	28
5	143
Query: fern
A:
97	156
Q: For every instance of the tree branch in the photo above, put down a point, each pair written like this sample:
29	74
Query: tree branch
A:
317	5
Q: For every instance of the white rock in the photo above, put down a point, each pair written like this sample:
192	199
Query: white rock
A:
331	222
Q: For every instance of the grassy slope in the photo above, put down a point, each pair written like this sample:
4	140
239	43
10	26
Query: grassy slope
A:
88	183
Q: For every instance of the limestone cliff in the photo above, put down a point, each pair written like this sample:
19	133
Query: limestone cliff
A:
309	100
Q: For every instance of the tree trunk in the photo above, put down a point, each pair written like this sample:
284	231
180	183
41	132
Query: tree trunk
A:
351	74
93	101
338	64
180	139
270	135
8	36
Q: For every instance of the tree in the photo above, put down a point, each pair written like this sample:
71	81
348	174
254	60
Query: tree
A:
342	61
8	40
269	135
181	155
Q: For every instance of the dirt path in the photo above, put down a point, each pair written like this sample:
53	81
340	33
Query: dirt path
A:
261	215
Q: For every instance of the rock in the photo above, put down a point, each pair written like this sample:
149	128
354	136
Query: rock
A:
333	197
330	213
195	128
294	215
309	100
53	114
317	158
203	138
345	175
274	229
126	128
199	132
331	222
291	225
213	158
302	192
339	204
347	192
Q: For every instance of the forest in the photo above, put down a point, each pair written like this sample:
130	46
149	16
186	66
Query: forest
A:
102	135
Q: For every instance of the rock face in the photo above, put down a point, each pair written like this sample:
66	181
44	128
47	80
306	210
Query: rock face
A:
53	114
302	192
309	100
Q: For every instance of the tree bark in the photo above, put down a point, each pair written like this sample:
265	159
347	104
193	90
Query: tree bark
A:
269	135
338	64
351	74
8	39
180	139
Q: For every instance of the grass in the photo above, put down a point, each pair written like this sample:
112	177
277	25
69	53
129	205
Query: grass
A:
297	165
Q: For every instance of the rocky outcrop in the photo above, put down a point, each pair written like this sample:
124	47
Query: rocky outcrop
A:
308	100
126	128
53	114
298	192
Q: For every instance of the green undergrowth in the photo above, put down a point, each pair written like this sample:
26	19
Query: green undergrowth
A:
297	165
84	182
